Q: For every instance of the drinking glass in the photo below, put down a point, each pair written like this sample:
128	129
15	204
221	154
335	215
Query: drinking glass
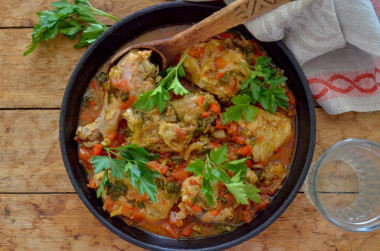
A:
344	184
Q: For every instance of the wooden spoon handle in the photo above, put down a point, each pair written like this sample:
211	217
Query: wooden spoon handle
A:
230	16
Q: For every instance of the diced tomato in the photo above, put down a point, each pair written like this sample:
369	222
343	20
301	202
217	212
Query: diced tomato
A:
244	151
170	229
112	136
158	167
291	98
221	47
84	154
181	133
214	108
219	75
93	84
91	103
220	63
214	212
129	102
187	230
97	149
219	124
197	52
121	84
120	139
233	128
225	35
205	114
214	144
238	139
180	174
249	163
200	101
196	208
91	183
109	203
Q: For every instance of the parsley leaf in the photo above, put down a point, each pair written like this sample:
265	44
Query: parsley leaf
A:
160	96
241	107
219	155
214	170
253	193
197	166
237	189
263	87
132	160
90	34
64	19
103	184
100	163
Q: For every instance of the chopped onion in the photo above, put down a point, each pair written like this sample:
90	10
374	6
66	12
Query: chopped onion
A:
219	134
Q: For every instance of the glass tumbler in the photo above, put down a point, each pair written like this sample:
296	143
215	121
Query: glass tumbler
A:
344	184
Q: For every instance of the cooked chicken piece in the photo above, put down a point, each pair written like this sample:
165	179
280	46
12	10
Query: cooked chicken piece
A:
144	130
175	136
137	70
189	111
215	68
265	133
105	124
193	203
139	74
130	203
172	131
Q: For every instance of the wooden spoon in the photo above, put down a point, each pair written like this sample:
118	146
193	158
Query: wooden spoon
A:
230	16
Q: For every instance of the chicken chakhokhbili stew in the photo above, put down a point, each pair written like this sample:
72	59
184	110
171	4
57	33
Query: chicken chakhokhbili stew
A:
195	150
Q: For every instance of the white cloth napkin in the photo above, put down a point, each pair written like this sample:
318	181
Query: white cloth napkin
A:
337	43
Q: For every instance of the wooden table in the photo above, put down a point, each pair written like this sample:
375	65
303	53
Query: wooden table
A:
39	209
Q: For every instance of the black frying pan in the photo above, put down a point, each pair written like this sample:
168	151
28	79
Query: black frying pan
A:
175	13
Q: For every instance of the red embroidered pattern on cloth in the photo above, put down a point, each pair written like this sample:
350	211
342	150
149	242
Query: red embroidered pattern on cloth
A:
353	84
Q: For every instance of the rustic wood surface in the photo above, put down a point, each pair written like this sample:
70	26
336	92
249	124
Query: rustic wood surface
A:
39	209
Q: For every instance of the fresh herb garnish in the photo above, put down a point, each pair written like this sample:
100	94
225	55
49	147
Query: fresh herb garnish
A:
160	96
69	20
132	160
262	86
214	170
242	107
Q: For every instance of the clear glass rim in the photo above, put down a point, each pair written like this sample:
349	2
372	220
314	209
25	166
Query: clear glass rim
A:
364	227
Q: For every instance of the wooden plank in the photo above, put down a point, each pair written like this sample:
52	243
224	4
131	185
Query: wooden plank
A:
30	158
20	13
63	222
38	80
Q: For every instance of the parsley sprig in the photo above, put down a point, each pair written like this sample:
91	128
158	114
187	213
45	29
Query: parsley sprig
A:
214	170
69	20
262	86
132	160
160	96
